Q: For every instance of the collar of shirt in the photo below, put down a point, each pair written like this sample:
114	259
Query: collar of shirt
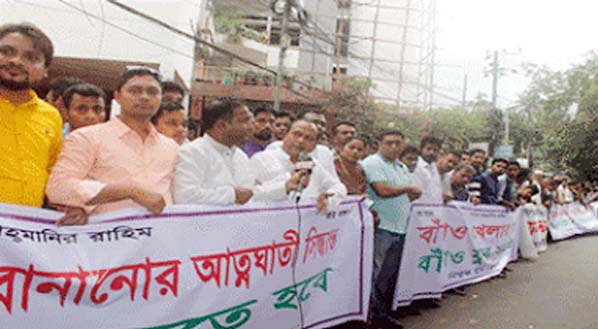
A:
393	162
224	150
119	128
284	157
29	105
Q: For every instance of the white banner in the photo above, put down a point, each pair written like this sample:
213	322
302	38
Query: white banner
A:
534	219
448	246
583	217
571	219
257	266
560	224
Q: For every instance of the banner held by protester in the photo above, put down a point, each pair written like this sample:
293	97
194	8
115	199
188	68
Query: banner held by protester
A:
454	245
257	266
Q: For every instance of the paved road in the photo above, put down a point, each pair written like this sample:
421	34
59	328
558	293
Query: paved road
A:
558	291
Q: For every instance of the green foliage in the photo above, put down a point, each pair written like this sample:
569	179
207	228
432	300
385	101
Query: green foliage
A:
352	102
458	127
578	141
565	140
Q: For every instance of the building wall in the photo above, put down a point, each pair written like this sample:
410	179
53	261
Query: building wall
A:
76	35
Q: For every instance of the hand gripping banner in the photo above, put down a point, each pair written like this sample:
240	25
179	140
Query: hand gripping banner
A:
271	265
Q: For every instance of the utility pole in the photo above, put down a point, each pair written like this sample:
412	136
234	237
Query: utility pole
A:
496	71
464	99
374	37
284	43
494	79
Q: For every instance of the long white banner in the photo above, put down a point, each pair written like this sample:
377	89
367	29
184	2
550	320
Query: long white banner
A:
452	245
260	266
571	219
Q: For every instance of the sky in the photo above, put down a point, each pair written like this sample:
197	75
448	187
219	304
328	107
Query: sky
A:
556	33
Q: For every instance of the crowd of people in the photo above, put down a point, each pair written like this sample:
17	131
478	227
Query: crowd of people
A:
64	153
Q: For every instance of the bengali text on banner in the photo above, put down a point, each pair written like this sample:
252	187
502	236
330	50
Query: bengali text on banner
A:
452	245
262	265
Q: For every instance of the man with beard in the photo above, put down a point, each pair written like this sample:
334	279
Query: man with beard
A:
118	164
213	170
426	173
30	129
341	131
477	159
262	131
490	193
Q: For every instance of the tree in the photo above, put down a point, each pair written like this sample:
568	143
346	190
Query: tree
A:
560	109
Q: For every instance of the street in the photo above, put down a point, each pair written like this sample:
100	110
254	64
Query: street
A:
557	291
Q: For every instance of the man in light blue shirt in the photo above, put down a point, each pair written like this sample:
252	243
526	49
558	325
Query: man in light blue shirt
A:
391	188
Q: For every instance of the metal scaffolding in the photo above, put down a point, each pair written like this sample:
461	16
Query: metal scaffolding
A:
397	54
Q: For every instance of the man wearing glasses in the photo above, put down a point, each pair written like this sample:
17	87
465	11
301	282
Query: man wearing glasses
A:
122	163
391	188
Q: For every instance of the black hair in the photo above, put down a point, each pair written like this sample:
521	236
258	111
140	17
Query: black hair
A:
342	123
474	151
284	114
220	110
409	149
498	160
262	109
172	86
514	163
348	140
83	89
136	72
40	40
59	85
389	132
453	152
430	140
166	107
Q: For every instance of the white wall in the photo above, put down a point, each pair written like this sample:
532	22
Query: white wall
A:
76	35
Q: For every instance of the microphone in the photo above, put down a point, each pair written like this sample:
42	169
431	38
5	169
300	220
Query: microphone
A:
305	163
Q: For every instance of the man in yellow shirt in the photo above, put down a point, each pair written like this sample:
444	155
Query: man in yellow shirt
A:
30	129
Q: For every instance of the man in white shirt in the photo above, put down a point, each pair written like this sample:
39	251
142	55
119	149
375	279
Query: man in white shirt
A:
214	170
321	153
426	173
279	164
445	164
563	193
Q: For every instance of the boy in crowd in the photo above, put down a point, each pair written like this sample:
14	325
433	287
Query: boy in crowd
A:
85	105
171	122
